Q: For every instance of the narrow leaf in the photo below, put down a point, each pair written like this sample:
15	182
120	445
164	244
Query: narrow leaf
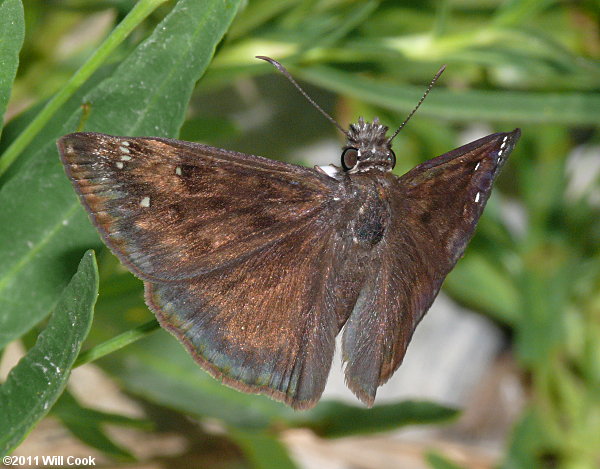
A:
12	32
480	283
37	381
335	419
474	105
86	425
172	378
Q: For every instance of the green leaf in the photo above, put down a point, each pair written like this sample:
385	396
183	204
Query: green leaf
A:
514	12
118	342
44	226
12	32
542	178
138	12
36	382
86	425
351	19
545	284
528	442
335	419
173	379
479	282
42	238
149	92
256	13
208	129
473	105
263	451
51	131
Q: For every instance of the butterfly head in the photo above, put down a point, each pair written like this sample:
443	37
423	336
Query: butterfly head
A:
367	148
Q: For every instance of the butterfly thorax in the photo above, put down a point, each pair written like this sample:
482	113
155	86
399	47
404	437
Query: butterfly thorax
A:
368	211
368	148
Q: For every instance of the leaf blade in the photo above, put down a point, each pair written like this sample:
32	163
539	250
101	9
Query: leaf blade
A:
37	381
12	33
333	419
573	108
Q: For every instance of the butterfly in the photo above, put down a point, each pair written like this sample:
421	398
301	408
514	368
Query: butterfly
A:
257	265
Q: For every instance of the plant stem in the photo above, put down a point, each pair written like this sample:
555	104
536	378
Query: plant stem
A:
116	343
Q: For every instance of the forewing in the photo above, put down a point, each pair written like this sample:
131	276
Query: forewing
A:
435	208
268	324
172	210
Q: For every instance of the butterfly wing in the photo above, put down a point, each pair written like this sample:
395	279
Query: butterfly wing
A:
434	208
267	324
172	210
241	256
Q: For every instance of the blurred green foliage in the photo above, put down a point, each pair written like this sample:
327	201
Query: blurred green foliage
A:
517	63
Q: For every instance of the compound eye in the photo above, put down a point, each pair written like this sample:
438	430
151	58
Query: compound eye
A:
349	158
392	156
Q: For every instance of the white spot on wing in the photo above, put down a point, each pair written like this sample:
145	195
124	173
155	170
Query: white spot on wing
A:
119	165
477	197
125	143
502	147
125	158
124	149
477	165
145	202
330	170
178	171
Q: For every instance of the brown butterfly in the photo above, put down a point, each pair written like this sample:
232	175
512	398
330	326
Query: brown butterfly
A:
256	265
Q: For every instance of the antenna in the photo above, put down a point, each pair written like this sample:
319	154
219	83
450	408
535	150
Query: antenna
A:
435	78
282	69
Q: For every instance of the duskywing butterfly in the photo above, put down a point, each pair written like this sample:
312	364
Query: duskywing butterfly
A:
256	265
